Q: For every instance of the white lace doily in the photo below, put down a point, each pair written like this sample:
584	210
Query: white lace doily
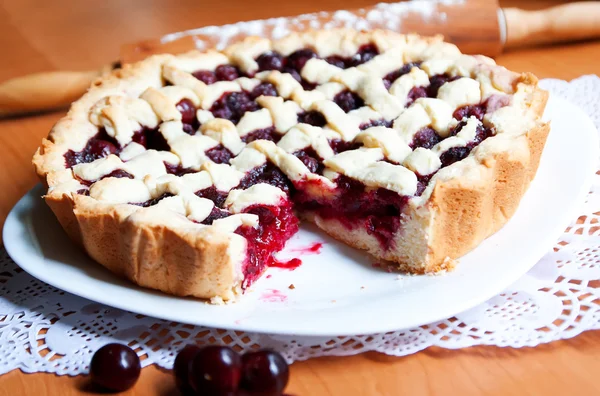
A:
45	329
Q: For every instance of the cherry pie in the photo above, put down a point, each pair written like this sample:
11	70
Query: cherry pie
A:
186	173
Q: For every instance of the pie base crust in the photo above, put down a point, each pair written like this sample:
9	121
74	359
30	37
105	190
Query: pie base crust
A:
460	213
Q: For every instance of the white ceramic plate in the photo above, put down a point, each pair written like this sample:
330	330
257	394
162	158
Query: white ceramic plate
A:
339	292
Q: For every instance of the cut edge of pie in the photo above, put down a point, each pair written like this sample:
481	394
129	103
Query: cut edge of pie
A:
165	247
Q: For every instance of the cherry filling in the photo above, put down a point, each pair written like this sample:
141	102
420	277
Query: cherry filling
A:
377	210
375	123
221	73
219	154
262	134
117	173
365	53
215	214
339	146
291	64
99	146
348	101
435	82
151	139
311	159
263	89
393	76
269	174
294	62
270	61
276	225
178	170
477	111
218	197
414	94
152	201
232	106
456	154
425	138
313	118
492	104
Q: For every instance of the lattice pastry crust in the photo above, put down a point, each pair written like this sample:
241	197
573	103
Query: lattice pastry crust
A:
455	139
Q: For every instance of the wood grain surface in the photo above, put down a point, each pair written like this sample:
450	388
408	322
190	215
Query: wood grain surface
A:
72	34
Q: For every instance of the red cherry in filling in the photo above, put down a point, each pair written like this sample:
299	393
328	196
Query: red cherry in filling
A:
115	367
264	89
264	373
298	59
270	61
206	76
182	366
215	370
227	73
187	110
348	101
101	148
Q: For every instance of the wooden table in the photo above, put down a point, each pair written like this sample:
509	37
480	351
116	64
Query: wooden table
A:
72	34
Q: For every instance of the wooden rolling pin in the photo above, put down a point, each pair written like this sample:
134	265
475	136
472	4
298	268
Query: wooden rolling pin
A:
476	26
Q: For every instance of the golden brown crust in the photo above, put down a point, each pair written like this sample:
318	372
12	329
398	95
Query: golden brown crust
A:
203	264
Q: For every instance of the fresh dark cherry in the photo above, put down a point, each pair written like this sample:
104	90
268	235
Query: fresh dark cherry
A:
206	76
227	73
215	370
187	110
182	368
298	59
426	138
270	61
115	367
265	373
264	89
348	101
313	118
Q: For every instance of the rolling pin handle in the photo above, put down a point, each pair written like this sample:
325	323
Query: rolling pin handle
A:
45	91
567	22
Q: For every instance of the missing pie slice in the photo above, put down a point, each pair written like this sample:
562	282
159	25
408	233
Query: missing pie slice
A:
186	173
